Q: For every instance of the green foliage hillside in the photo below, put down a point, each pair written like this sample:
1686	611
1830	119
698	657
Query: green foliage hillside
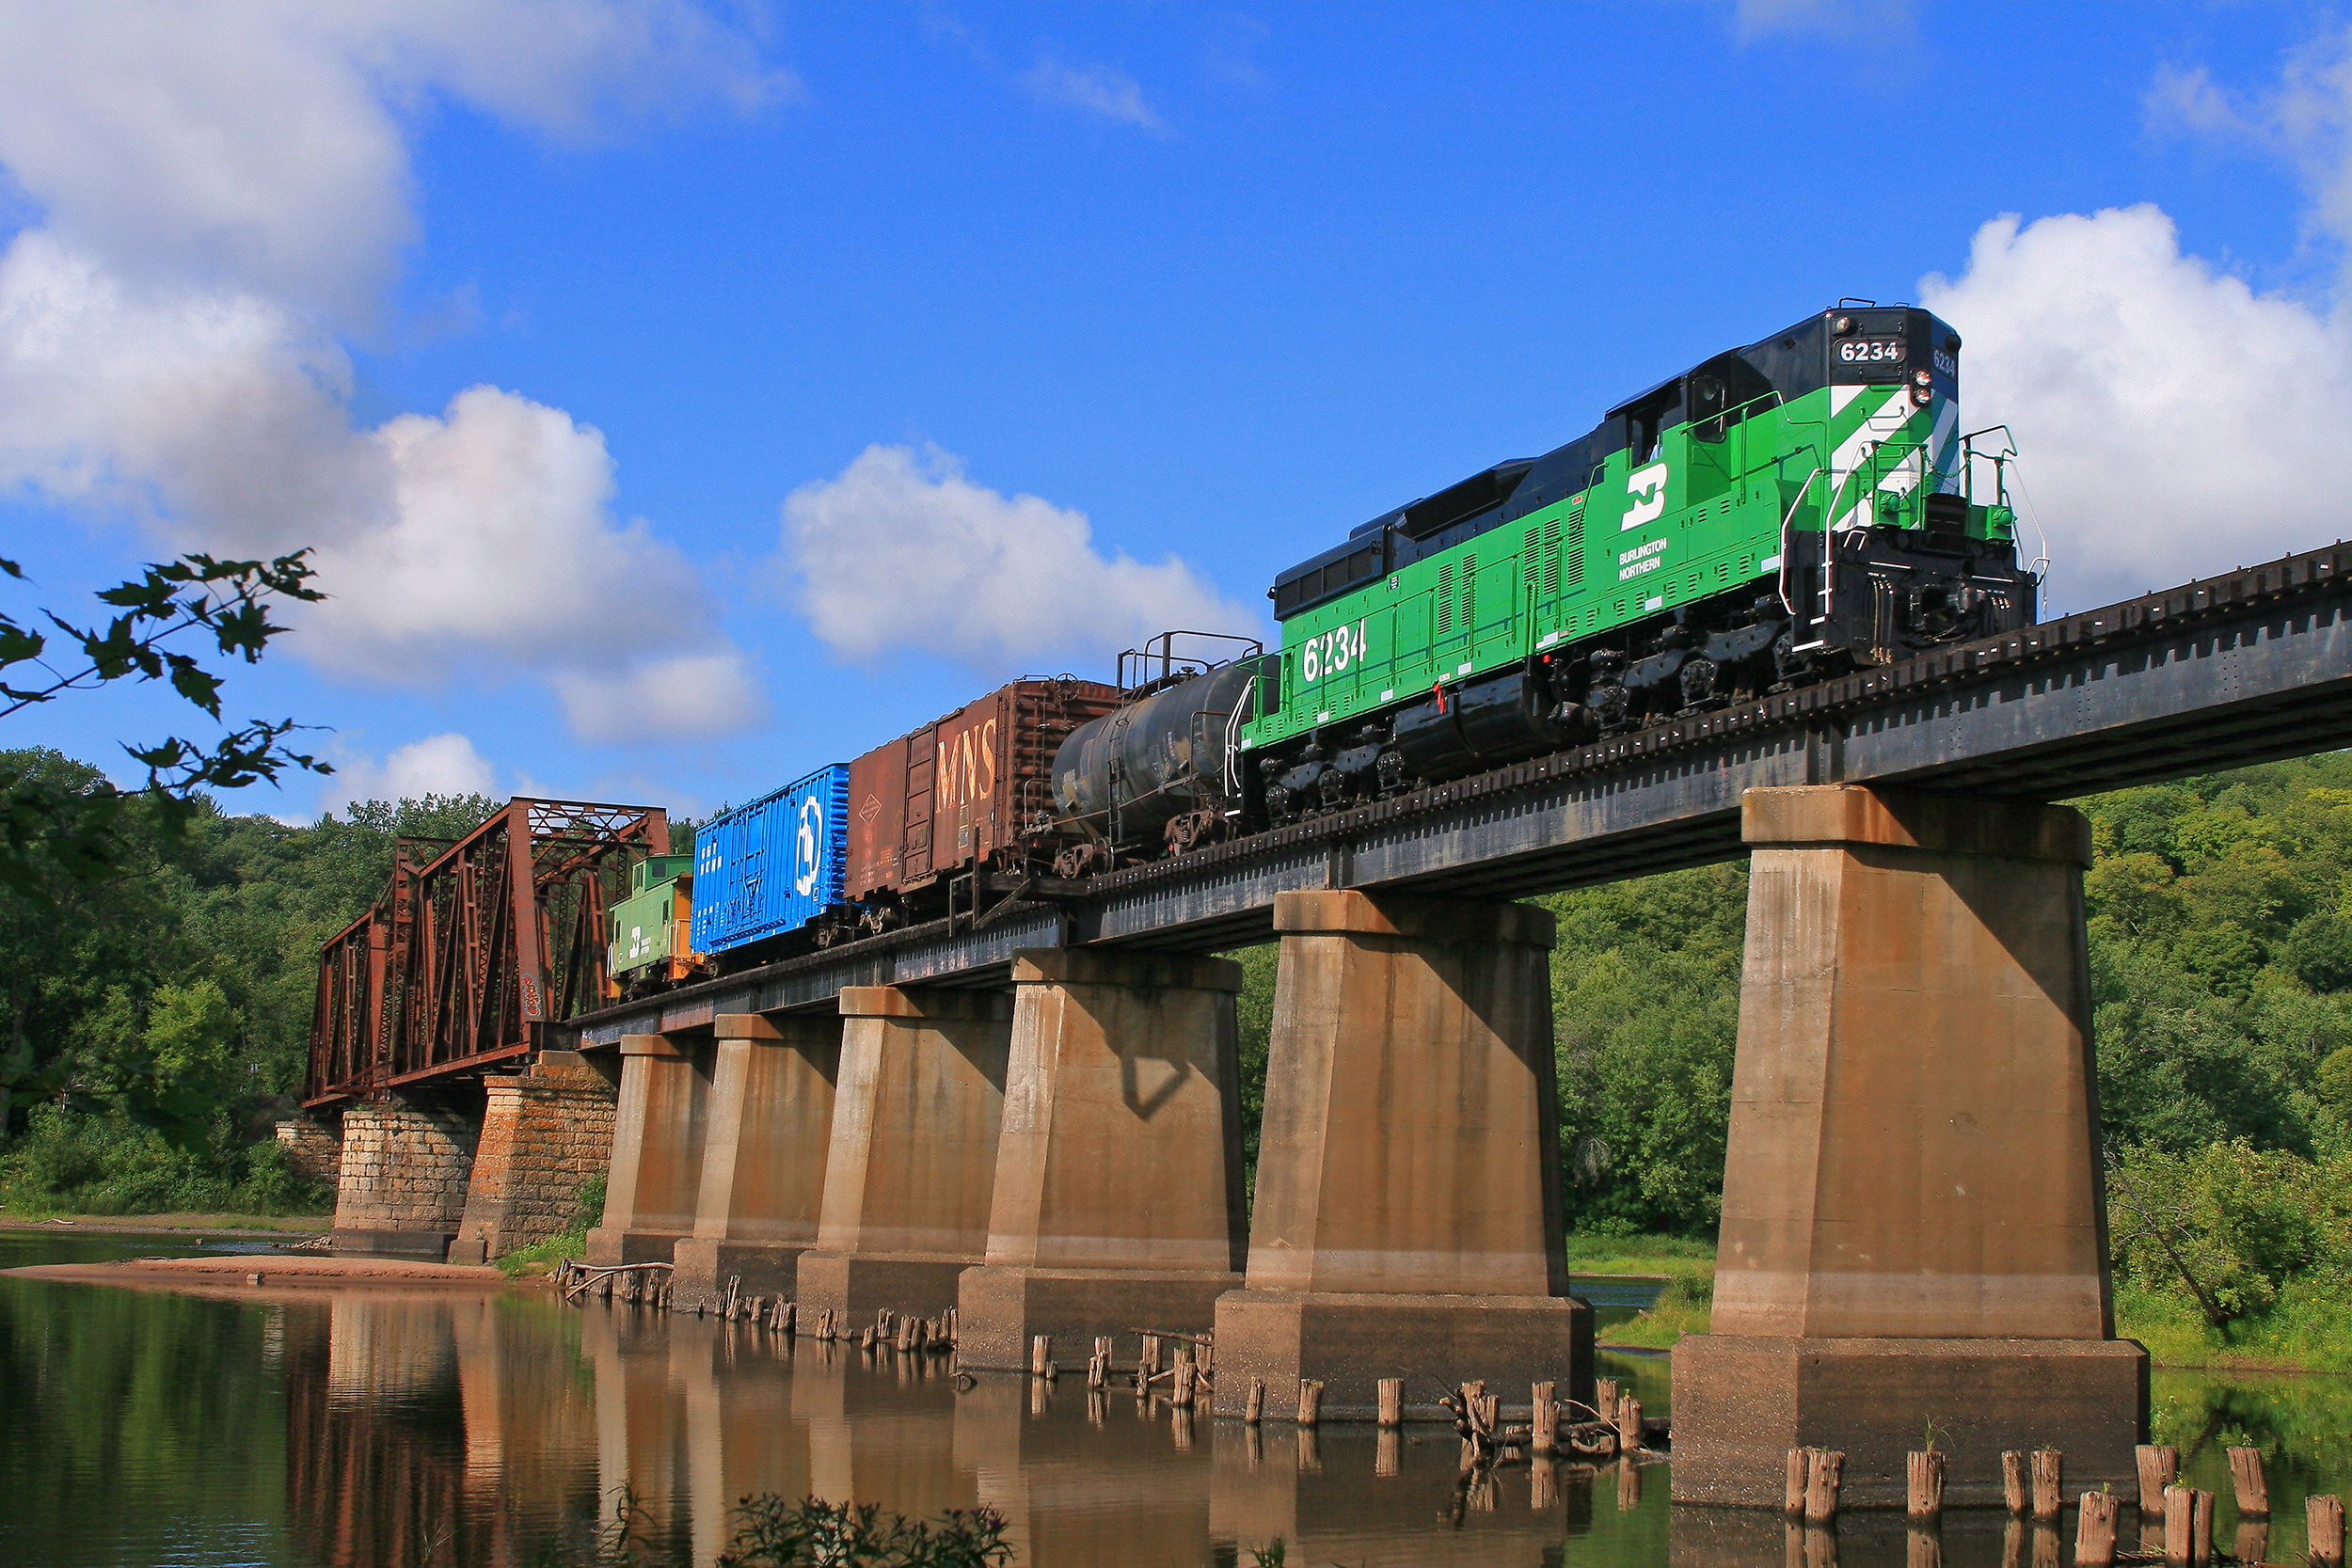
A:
2221	965
153	1022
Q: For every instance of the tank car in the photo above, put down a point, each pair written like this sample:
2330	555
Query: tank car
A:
1157	772
1779	514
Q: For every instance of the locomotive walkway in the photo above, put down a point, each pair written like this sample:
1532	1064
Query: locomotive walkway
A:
1030	1117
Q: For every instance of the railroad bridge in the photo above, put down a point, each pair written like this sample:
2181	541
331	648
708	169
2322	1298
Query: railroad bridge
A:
1030	1113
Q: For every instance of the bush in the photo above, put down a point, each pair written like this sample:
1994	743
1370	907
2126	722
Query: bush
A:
569	1243
2230	1226
105	1164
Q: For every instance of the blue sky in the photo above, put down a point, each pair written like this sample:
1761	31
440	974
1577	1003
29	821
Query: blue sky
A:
679	398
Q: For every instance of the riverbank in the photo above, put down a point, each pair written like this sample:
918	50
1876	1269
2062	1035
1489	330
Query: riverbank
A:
267	1270
2308	1330
245	1227
1686	1268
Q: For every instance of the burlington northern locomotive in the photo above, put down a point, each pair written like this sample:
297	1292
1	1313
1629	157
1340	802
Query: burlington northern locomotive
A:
1780	513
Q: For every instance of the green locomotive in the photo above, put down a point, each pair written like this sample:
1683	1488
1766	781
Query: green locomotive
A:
1777	515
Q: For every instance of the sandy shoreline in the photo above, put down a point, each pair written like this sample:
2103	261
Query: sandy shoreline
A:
274	1272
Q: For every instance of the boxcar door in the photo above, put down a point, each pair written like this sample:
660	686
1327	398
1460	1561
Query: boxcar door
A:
922	776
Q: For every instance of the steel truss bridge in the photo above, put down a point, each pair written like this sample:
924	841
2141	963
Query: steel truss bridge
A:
2216	673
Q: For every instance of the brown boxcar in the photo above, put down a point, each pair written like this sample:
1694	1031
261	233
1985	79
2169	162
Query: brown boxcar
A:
931	806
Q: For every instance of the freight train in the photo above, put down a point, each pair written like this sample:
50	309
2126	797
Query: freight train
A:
1778	514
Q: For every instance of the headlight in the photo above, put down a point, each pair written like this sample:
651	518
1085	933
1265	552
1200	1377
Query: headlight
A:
1921	396
1920	377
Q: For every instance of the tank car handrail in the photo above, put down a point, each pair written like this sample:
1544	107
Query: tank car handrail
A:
1232	738
1163	649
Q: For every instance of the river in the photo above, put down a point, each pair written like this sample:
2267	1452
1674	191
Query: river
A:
409	1427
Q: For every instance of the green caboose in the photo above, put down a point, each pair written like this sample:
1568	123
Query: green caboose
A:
650	944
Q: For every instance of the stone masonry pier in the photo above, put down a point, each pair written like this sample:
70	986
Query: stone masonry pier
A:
545	1132
403	1172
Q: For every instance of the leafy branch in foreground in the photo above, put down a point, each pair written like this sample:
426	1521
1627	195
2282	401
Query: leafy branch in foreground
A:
79	832
774	1533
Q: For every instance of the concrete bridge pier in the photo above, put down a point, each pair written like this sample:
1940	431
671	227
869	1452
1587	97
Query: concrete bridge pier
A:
1409	1219
763	1171
657	1137
1119	1200
913	1156
1914	1226
406	1162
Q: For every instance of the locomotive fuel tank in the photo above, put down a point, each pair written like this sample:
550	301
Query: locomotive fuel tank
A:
1126	777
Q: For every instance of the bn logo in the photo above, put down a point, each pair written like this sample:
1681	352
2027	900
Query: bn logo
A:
809	845
1647	487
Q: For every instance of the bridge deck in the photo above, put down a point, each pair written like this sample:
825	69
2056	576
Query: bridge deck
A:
2219	673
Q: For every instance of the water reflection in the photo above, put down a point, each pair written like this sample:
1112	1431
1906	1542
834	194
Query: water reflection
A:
382	1427
486	1429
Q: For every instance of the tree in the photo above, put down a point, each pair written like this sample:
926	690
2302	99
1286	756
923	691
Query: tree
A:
81	830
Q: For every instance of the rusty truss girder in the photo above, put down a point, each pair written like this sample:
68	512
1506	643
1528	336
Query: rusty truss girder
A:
474	945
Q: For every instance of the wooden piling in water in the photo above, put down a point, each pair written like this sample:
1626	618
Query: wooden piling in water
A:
2049	1483
2015	1491
1629	1425
2159	1467
1543	1421
2094	1529
2180	1506
1255	1410
1824	1470
2323	1530
1923	1473
1309	1401
2248	1481
1390	1393
1800	1475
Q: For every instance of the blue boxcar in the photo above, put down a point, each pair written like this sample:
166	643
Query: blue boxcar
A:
772	865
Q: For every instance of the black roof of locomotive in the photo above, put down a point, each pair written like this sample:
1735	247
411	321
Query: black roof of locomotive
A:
1791	362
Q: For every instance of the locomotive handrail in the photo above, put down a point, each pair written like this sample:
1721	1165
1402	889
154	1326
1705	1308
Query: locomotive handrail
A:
1786	521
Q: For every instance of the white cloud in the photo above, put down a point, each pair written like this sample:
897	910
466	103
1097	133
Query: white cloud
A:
1099	90
225	189
681	696
904	554
2173	421
2304	118
438	765
262	143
